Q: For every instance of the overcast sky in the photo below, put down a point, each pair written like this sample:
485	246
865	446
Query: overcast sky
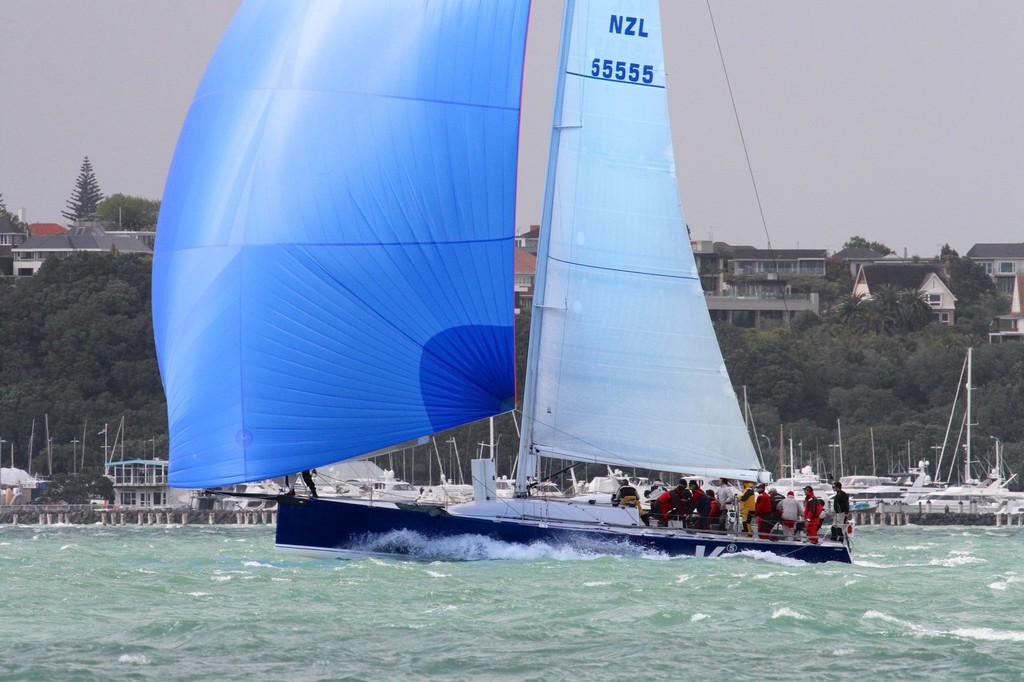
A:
898	120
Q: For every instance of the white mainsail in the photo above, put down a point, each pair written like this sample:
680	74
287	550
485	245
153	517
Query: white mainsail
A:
624	367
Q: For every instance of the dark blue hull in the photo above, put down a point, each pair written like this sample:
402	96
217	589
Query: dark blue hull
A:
339	528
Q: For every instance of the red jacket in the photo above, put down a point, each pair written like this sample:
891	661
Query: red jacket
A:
812	507
763	506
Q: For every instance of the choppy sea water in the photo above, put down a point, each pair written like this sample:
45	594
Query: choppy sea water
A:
219	603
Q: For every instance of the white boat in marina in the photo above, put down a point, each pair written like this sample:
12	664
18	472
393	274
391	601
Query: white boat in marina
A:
904	488
381	485
445	493
857	482
990	494
804	477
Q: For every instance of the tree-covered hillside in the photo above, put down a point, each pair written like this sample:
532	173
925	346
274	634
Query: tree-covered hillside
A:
76	350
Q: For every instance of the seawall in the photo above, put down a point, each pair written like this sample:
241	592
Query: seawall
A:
84	515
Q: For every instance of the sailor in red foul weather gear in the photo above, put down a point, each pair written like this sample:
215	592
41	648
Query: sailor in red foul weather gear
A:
812	513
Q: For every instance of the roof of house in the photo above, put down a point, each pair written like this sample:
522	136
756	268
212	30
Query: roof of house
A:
40	229
532	233
900	275
82	239
525	261
857	253
996	251
7	226
750	253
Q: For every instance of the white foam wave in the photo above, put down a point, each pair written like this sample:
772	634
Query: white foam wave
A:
199	594
1003	584
769	575
886	618
989	635
257	564
697	617
982	634
596	583
786	612
138	659
958	560
479	547
769	557
438	574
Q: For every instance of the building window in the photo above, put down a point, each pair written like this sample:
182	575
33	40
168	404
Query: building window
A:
988	267
935	300
1007	268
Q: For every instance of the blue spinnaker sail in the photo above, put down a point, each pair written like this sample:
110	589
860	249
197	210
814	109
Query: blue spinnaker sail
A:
334	262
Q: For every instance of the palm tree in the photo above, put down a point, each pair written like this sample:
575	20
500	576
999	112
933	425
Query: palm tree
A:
914	311
849	307
885	304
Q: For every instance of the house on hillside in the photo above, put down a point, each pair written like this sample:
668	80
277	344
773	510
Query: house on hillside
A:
1010	327
855	257
526	273
752	288
31	255
10	236
527	241
925	278
1002	262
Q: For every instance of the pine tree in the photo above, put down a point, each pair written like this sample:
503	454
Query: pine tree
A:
86	195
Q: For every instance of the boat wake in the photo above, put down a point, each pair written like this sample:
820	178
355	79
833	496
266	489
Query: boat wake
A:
768	557
479	547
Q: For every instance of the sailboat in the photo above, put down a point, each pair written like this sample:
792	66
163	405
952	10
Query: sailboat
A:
333	272
988	495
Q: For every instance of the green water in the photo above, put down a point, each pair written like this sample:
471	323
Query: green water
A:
218	603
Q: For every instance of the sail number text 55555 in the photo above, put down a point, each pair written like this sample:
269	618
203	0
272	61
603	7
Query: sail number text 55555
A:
622	71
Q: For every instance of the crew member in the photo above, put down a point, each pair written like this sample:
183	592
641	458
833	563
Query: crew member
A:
747	500
812	513
701	506
763	512
840	510
627	496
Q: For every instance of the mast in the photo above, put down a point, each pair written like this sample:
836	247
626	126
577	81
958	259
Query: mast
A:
528	459
967	458
839	433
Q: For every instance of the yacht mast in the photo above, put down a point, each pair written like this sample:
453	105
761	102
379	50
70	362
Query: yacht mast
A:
967	447
527	463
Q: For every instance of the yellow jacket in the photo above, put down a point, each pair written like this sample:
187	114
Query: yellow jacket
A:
747	500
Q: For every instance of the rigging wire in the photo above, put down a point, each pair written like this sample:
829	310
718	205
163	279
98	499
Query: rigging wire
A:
746	151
